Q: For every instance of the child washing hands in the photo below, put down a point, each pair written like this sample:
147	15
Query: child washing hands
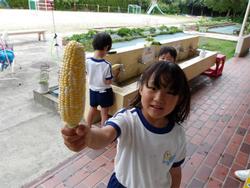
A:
151	141
168	53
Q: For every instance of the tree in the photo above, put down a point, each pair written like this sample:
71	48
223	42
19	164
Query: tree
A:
200	4
226	6
167	1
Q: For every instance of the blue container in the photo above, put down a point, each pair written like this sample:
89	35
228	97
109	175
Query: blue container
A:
6	58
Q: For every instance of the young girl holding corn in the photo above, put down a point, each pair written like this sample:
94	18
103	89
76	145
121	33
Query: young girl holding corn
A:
151	141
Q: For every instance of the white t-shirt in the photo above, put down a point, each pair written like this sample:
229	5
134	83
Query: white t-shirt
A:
98	70
145	154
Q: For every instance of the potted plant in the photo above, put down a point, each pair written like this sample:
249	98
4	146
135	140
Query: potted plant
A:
44	79
150	41
44	87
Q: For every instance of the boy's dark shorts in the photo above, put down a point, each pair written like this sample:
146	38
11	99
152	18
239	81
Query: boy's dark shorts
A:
104	99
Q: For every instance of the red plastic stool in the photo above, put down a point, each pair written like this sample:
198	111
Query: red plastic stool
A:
219	65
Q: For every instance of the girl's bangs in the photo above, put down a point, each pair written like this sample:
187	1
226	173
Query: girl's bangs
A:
166	80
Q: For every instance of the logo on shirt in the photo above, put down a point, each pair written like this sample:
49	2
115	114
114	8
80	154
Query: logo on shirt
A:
168	158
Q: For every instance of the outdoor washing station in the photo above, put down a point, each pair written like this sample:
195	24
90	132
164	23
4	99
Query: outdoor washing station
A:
134	60
131	62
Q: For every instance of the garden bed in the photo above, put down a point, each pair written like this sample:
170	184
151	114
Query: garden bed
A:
123	34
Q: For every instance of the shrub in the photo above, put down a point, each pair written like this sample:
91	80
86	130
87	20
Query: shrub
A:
18	4
163	28
123	32
170	8
152	30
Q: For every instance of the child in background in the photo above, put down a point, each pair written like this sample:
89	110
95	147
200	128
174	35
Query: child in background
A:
151	141
168	53
99	74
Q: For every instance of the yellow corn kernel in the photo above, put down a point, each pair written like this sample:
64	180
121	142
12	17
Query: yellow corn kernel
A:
72	84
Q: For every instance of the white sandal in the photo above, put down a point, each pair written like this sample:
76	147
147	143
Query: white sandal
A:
242	174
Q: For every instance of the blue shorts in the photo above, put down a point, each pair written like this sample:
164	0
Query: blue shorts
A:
114	183
104	99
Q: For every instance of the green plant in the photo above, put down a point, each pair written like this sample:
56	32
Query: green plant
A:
137	31
18	4
110	31
149	38
43	82
205	22
152	30
174	30
247	29
163	28
152	41
123	32
172	8
90	34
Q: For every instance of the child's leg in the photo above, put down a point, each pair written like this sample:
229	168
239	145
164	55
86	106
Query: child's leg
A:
104	115
92	112
105	101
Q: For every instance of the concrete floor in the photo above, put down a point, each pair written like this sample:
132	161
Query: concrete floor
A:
30	140
31	143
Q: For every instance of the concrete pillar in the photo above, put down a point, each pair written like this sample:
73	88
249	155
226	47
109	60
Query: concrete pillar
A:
240	39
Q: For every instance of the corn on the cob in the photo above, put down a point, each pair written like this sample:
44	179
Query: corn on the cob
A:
116	67
72	84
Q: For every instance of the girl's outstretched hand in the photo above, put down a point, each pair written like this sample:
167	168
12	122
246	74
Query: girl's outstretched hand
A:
75	138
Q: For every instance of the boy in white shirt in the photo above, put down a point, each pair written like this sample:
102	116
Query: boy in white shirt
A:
100	76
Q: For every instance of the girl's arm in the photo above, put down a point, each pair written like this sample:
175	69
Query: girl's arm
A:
101	137
96	138
176	176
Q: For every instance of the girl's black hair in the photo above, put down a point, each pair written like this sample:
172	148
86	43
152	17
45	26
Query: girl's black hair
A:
171	76
168	49
102	40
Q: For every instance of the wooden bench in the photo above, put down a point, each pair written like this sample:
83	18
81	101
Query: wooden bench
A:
41	33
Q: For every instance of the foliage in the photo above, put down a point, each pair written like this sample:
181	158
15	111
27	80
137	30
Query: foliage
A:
228	6
237	19
163	27
90	34
222	46
137	31
205	22
124	34
4	4
43	82
247	29
232	8
18	4
149	38
113	4
167	1
170	8
152	30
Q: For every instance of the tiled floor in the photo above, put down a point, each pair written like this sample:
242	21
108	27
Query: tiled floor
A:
218	134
